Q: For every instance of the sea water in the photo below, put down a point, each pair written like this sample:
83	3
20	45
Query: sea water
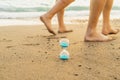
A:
24	9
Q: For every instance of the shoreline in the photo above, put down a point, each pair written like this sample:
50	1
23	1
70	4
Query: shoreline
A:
36	21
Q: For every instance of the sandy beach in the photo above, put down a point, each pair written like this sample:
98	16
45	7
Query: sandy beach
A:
29	52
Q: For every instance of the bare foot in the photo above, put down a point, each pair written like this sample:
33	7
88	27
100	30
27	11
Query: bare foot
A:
110	31
47	23
65	31
97	37
62	29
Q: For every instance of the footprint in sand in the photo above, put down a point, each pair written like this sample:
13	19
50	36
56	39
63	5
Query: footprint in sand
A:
9	46
33	36
88	68
32	44
30	37
5	40
54	37
115	78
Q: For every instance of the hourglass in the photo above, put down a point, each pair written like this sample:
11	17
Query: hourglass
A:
64	55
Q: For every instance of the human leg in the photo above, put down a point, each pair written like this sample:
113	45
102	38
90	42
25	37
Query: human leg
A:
46	18
107	29
62	27
96	7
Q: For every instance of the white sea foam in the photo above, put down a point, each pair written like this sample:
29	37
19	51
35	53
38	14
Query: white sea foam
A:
13	10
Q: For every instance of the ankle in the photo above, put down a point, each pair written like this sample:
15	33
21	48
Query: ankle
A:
48	16
91	32
62	29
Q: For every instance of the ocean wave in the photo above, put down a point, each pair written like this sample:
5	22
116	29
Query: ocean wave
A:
10	9
23	15
39	5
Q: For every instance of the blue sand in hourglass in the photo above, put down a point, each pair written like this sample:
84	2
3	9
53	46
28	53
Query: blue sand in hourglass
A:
64	44
64	57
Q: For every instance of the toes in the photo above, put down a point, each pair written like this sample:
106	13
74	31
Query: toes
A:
109	39
112	32
52	32
47	24
117	30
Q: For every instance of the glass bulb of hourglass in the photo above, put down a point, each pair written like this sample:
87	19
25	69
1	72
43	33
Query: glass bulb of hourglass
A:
64	55
64	43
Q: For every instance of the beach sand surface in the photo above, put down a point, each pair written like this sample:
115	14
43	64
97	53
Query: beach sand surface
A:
31	53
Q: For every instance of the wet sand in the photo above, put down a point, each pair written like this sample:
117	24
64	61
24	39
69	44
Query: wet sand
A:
31	53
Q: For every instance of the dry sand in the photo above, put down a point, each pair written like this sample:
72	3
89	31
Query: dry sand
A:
31	53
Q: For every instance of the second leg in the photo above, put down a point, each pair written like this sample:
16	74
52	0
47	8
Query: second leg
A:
107	29
96	7
62	27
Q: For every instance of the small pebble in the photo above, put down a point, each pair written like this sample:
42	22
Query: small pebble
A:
117	58
76	74
115	78
19	57
46	52
32	61
79	65
89	68
113	48
98	72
